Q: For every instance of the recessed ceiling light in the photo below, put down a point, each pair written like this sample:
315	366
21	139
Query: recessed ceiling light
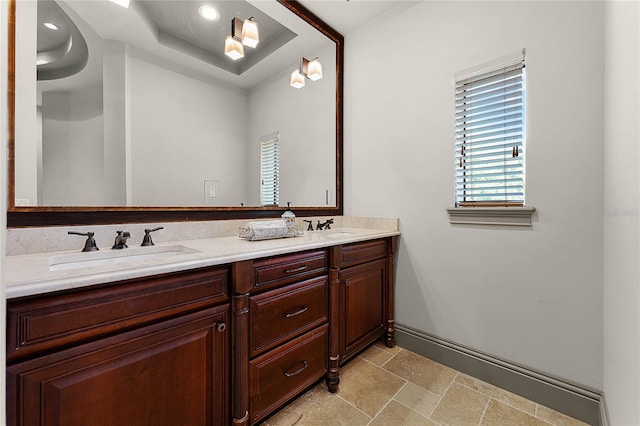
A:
209	12
51	26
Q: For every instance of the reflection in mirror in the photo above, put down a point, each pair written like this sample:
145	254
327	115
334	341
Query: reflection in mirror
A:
139	106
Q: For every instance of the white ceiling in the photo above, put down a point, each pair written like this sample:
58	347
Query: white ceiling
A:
345	16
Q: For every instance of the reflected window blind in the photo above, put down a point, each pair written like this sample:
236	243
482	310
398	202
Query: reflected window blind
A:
490	129
270	170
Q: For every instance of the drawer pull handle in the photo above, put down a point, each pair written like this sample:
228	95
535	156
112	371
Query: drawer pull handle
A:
290	271
293	314
221	327
298	371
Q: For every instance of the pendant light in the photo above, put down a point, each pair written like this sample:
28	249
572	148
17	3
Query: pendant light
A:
309	69
314	69
232	45
297	79
250	35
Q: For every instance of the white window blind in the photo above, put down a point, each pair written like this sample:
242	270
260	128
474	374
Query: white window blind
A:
270	169
490	133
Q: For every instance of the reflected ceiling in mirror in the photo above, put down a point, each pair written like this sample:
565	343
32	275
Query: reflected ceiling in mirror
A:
159	119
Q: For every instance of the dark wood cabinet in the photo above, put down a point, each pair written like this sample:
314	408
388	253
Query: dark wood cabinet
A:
154	362
361	300
210	346
362	306
283	304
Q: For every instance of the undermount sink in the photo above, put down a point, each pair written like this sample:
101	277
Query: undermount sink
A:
111	257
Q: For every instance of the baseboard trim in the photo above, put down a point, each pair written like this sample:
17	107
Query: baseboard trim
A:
573	400
604	411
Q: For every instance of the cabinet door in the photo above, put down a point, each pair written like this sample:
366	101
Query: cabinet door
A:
170	373
362	303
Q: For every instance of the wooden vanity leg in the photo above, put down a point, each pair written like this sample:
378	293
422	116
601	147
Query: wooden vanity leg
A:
390	338
333	375
242	284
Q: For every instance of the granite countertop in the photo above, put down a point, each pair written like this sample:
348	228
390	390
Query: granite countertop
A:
30	274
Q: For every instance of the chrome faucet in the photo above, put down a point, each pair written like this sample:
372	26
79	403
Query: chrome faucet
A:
121	240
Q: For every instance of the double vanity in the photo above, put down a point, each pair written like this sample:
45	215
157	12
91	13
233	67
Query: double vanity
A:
212	331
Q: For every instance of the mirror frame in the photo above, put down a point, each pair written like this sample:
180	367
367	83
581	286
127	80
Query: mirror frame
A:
33	216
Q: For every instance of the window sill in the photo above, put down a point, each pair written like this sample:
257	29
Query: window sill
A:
511	216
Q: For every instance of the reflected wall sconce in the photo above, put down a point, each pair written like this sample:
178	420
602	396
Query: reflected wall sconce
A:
243	33
311	69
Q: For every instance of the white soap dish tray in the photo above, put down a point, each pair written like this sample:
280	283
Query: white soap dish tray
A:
269	233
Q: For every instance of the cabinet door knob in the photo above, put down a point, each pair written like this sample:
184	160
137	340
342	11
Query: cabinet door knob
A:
298	371
346	282
221	327
293	314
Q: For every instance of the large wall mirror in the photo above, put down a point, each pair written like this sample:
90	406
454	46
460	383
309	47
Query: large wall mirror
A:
134	113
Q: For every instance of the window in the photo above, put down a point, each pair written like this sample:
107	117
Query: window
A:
490	134
270	169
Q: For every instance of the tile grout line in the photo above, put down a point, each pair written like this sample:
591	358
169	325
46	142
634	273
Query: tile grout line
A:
390	399
442	396
409	408
535	415
351	404
486	406
502	402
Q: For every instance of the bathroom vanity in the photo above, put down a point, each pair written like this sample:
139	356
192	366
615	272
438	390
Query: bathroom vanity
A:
201	339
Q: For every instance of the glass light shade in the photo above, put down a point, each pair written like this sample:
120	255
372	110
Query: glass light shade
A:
250	35
297	79
233	48
314	70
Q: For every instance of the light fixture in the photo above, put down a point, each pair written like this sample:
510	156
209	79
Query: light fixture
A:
209	12
242	33
51	26
313	70
250	33
309	69
297	79
123	3
232	44
233	48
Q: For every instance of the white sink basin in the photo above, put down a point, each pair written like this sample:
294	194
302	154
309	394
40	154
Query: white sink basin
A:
111	257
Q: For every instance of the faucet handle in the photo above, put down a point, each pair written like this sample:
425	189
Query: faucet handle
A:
147	241
121	240
90	244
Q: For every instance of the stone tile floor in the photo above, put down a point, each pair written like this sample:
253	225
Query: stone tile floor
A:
397	387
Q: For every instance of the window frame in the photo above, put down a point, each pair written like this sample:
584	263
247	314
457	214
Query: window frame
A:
270	157
492	212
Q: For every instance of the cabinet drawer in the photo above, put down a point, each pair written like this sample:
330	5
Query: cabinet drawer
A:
287	269
279	375
50	322
354	254
280	314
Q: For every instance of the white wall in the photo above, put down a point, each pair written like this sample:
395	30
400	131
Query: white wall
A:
165	173
622	212
306	120
529	295
72	165
26	152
